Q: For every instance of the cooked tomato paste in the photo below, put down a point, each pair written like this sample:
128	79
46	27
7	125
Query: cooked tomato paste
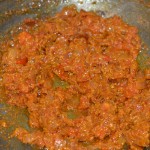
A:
77	75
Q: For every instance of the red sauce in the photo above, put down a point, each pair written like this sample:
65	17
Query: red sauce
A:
77	75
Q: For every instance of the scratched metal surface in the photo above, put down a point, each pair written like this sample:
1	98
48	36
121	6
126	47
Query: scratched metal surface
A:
13	12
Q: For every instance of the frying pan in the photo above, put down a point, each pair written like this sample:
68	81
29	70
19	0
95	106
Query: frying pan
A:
13	12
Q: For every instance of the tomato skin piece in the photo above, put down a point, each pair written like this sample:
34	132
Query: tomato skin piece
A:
107	58
22	61
30	22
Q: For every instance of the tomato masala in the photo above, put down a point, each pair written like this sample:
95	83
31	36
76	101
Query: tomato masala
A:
76	73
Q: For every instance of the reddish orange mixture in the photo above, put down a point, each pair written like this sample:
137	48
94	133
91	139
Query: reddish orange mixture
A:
77	75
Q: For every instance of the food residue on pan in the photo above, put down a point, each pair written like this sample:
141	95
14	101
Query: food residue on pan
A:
77	75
